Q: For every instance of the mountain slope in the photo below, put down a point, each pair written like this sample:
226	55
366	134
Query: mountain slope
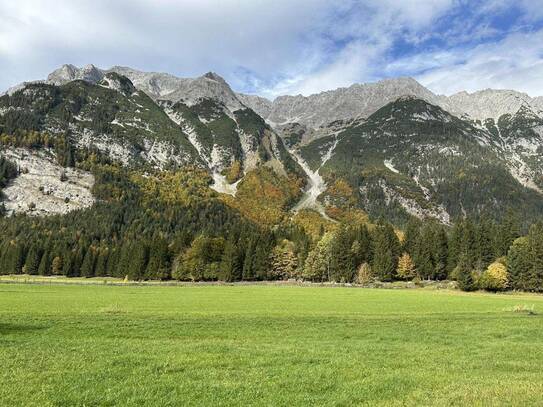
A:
414	158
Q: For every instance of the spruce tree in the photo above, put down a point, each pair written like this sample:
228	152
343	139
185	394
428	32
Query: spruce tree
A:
158	267
87	267
423	255
341	262
33	258
231	264
440	252
44	268
383	261
534	282
101	263
248	270
68	268
137	261
484	244
464	274
519	263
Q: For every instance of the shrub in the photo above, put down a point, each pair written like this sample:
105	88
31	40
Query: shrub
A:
495	278
365	274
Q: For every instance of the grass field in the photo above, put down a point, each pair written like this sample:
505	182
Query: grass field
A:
266	345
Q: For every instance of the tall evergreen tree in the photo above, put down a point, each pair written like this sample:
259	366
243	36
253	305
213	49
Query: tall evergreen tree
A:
44	269
231	262
464	274
519	263
33	257
158	267
534	282
87	267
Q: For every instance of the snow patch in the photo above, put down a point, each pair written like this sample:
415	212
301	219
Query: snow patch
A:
388	164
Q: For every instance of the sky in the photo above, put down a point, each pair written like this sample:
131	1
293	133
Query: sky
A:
277	47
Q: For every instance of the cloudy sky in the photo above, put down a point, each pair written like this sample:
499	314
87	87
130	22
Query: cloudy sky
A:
274	47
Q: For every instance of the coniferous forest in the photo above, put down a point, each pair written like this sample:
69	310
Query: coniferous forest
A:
170	225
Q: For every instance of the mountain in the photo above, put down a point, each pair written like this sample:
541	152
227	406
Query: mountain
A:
147	126
361	100
390	149
358	100
412	158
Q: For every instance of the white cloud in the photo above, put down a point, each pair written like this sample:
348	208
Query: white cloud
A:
512	63
273	47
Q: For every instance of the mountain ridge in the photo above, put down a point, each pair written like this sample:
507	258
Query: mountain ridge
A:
358	100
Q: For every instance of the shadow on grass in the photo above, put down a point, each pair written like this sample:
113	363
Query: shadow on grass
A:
10	329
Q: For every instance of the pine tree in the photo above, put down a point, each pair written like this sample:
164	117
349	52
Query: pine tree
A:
248	270
87	267
423	255
464	274
158	267
101	263
44	268
14	258
384	260
534	282
519	263
341	262
123	264
231	262
68	267
440	252
484	245
32	262
137	261
411	237
506	233
361	247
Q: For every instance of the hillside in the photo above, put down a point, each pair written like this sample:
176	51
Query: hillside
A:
148	176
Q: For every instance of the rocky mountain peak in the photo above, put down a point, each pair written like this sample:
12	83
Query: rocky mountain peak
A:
67	73
355	101
118	82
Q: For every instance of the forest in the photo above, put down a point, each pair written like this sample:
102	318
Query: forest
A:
169	224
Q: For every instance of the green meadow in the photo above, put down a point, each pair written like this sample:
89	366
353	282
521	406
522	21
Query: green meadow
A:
242	345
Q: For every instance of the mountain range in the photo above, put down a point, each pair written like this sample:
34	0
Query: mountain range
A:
390	149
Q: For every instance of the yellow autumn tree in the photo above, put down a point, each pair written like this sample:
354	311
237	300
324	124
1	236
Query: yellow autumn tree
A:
56	266
406	267
495	278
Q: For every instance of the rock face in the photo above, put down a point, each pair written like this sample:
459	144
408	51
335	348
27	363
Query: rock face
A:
359	100
68	73
157	85
362	100
45	188
490	103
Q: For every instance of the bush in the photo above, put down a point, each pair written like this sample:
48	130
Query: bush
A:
495	278
365	274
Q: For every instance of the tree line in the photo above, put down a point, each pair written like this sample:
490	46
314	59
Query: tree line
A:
170	225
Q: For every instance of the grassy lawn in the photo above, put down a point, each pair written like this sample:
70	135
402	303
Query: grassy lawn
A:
266	345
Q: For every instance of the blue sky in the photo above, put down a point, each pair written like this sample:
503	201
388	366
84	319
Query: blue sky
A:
274	47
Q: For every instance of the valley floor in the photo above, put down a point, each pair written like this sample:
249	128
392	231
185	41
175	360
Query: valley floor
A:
266	345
